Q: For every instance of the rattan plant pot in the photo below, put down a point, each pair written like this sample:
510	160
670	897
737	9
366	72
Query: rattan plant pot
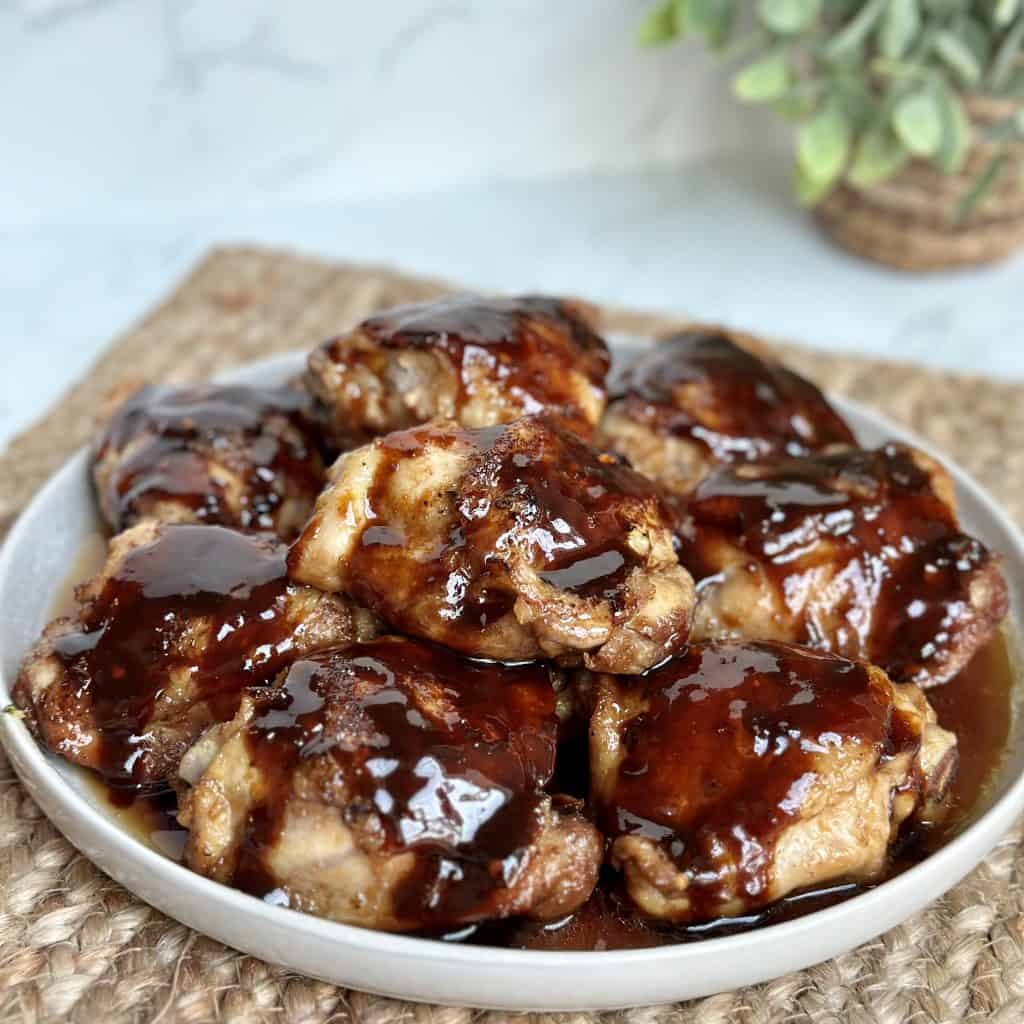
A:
910	220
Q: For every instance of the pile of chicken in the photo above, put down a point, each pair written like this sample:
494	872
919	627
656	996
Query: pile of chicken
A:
367	682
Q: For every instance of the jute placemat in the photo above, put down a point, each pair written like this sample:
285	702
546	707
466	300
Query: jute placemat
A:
75	946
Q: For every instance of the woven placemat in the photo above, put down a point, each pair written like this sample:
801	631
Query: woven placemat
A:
75	946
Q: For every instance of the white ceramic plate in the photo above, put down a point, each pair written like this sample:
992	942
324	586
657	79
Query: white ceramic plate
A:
39	553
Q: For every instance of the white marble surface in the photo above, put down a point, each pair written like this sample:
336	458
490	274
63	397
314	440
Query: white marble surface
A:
194	105
510	146
720	240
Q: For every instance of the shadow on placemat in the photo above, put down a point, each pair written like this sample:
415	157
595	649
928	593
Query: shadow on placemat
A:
76	946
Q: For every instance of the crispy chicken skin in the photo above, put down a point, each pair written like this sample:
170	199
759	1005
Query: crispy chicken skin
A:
857	552
178	621
394	785
738	773
510	542
228	455
698	399
474	360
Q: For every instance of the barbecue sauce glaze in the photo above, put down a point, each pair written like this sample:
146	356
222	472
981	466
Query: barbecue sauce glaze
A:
171	439
531	349
874	515
702	386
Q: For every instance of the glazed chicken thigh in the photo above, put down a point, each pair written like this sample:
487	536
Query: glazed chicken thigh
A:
541	661
474	360
230	455
738	773
857	552
178	621
699	399
394	785
511	542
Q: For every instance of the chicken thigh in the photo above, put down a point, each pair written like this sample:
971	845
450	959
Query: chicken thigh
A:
394	785
858	553
474	360
698	399
235	456
179	620
737	773
510	542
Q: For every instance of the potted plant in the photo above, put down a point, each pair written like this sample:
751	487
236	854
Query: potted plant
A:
910	114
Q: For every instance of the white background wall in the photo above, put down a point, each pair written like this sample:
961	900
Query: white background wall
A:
199	103
507	144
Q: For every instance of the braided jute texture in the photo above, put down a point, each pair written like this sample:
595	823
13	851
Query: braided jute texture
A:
910	221
76	946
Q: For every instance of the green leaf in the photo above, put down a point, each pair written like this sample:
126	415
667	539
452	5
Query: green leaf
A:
795	105
1003	11
659	25
1015	86
763	81
823	144
808	190
787	17
858	99
855	31
981	188
977	37
957	56
900	25
1006	56
918	122
880	154
713	19
956	132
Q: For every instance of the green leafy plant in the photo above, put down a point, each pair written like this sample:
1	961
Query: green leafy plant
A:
871	83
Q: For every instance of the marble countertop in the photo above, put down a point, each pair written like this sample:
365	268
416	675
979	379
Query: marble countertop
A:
719	240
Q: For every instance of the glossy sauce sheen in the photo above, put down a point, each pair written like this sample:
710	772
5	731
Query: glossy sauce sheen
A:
449	755
871	514
576	505
531	483
714	763
130	635
529	346
977	705
174	434
705	387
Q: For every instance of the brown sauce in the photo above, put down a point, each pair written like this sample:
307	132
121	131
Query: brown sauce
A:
712	766
134	645
150	815
875	520
178	445
703	386
529	349
606	921
979	705
530	487
89	560
574	505
450	755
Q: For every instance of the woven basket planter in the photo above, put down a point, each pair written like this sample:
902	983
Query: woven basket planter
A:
910	221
